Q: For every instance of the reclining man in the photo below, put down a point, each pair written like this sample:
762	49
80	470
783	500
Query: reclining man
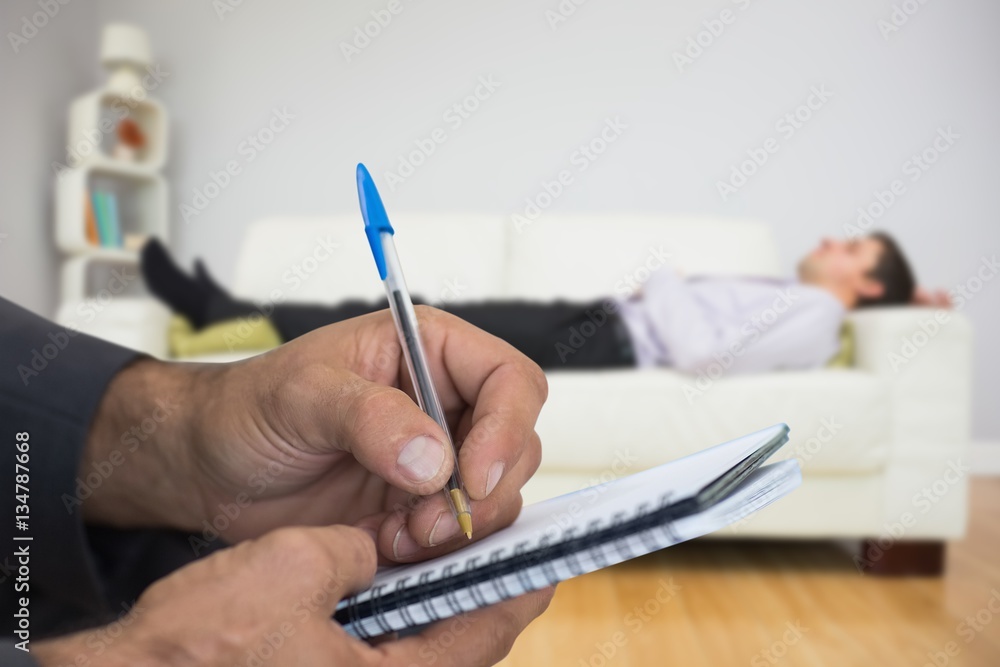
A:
684	323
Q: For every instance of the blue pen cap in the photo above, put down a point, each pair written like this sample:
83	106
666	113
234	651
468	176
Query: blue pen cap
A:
376	220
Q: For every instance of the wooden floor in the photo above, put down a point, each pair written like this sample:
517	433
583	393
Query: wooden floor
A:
721	603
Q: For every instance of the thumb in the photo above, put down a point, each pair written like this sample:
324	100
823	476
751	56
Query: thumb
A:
385	430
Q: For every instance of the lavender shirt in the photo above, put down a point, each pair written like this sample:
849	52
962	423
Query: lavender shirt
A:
745	324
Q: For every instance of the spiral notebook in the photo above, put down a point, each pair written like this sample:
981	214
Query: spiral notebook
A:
580	532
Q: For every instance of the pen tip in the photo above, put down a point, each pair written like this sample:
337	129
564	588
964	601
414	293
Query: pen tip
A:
465	522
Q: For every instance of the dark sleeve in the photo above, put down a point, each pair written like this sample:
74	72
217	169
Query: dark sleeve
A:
10	656
51	381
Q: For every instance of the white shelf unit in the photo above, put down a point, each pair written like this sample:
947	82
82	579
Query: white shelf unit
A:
102	291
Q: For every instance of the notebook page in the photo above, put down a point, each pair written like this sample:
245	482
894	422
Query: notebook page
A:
759	489
546	521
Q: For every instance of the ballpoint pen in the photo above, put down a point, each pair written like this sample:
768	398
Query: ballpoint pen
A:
380	232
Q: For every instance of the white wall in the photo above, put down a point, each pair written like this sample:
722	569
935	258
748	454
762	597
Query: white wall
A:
37	83
609	59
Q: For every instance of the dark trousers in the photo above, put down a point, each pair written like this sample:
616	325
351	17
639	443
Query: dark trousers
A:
554	335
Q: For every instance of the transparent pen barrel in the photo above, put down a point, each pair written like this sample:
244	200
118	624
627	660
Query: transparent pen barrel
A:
413	351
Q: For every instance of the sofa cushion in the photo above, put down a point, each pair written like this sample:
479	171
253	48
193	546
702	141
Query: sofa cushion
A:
593	421
588	257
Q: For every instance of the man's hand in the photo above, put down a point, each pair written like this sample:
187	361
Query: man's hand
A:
268	601
324	430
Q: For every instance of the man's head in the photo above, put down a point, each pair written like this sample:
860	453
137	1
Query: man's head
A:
866	271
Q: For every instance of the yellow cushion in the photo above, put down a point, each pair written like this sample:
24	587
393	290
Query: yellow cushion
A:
845	357
244	334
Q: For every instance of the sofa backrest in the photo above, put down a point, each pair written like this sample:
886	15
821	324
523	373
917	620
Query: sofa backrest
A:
454	257
590	256
444	257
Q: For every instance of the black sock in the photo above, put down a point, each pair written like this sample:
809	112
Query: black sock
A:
185	295
202	275
221	305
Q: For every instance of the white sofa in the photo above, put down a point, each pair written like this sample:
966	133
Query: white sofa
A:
870	439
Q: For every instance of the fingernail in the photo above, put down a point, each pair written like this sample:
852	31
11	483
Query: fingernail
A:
403	546
421	458
496	472
445	528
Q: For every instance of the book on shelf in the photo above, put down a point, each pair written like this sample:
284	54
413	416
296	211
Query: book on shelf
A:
115	221
108	225
100	216
93	238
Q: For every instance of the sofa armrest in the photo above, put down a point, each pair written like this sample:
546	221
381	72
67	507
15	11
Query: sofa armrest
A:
136	323
926	355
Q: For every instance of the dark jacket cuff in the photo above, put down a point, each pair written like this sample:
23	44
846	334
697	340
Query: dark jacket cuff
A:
51	383
15	657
